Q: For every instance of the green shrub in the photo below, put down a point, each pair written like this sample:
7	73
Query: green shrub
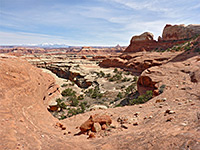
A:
62	117
94	93
60	103
120	95
83	106
80	97
108	75
64	85
161	89
130	88
135	79
100	74
127	73
74	101
125	79
68	92
73	111
118	105
123	86
142	98
115	70
116	77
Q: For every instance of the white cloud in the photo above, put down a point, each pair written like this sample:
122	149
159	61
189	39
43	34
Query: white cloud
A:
11	38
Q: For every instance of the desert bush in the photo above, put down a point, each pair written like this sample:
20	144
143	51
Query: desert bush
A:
74	101
120	95
142	98
68	92
123	86
108	75
60	103
83	106
135	79
115	70
80	97
161	89
100	74
125	79
127	73
64	85
116	77
130	88
62	117
73	111
94	93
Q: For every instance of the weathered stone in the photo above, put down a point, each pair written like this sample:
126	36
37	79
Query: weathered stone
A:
96	127
86	125
91	135
104	126
100	119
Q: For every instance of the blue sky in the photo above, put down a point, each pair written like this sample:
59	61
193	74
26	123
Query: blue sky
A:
90	22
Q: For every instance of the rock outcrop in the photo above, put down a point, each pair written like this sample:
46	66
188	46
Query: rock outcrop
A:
143	42
172	35
24	94
94	122
179	32
115	62
181	74
137	62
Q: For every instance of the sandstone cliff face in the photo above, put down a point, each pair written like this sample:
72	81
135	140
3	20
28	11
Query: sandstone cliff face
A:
24	92
179	32
172	35
115	62
143	42
138	62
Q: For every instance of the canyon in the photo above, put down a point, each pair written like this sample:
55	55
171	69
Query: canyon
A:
144	96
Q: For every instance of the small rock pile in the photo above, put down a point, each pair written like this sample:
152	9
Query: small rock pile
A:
95	124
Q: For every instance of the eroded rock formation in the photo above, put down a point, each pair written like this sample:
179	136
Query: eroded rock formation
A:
172	35
143	42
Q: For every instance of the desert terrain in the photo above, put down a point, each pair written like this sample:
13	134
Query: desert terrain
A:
144	96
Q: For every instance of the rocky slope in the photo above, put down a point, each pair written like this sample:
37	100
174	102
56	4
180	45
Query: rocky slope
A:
170	120
138	62
176	40
161	123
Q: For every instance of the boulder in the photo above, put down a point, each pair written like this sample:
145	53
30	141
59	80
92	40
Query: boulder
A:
96	107
104	126
102	119
87	125
99	119
96	127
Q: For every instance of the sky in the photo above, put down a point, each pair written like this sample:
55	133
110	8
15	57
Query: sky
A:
90	22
